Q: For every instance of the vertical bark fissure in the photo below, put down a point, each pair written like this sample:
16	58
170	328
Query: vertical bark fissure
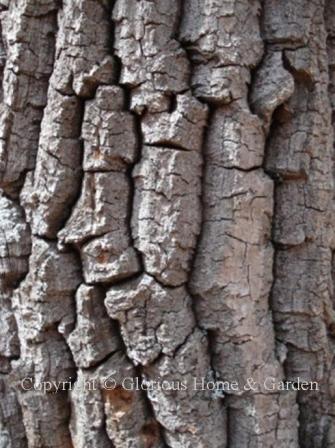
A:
301	227
23	95
211	110
3	54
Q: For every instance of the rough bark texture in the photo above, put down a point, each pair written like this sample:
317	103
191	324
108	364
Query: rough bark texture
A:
166	213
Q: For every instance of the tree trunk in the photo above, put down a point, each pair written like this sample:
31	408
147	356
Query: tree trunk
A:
167	223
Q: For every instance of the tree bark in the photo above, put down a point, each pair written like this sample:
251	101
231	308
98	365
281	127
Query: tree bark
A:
167	216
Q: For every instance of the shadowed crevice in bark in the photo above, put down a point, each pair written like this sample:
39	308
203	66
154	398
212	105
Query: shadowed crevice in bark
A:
3	51
24	87
301	229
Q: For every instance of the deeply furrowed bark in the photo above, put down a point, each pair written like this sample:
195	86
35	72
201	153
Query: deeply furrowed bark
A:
166	214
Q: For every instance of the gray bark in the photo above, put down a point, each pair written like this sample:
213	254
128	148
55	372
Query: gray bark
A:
166	213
